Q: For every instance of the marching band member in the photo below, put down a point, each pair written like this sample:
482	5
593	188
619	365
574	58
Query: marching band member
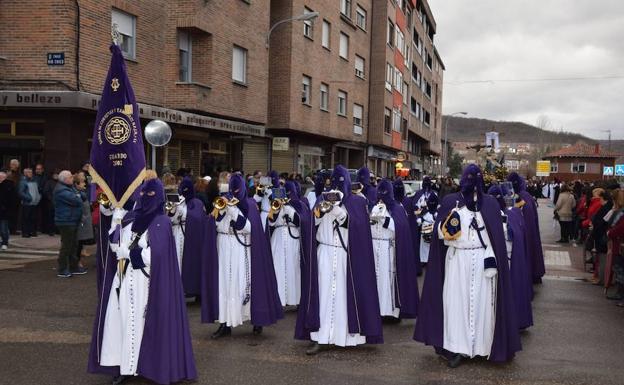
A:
191	219
513	226
395	265
288	225
339	303
527	205
262	197
366	190
321	183
425	220
139	340
399	191
467	308
238	282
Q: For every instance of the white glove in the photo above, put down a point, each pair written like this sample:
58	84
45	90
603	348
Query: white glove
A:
123	252
118	215
339	213
288	210
232	212
490	273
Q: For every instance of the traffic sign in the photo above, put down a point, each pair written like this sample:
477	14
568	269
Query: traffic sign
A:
619	170
607	171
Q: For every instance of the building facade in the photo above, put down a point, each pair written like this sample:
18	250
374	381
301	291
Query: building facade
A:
200	66
580	162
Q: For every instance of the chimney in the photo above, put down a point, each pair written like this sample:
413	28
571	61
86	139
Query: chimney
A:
597	148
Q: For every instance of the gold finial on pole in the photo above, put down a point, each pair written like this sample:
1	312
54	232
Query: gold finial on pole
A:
115	35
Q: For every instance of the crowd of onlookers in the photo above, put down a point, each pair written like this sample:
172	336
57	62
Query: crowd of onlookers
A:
592	216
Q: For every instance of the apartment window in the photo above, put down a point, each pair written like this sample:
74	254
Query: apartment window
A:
387	120
360	17
578	168
345	8
305	89
126	25
413	105
426	118
414	72
419	111
429	62
554	167
390	35
324	96
407	57
398	80
185	52
239	65
342	103
428	90
404	129
308	25
326	34
358	112
396	120
400	41
389	76
344	45
408	16
405	92
359	66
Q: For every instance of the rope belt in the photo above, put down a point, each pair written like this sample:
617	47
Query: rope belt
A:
389	240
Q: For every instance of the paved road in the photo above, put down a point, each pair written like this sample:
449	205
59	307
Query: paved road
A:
45	326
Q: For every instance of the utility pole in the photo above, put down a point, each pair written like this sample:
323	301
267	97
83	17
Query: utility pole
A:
609	146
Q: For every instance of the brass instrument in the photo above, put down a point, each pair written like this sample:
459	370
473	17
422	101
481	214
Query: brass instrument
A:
356	188
330	198
103	200
427	232
260	189
221	203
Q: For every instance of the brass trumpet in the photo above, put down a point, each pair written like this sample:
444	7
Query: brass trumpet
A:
103	200
220	203
260	189
356	188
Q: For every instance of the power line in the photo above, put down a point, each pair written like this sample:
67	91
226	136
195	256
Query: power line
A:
531	80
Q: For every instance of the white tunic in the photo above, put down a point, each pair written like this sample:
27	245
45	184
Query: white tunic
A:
265	205
508	241
178	224
332	277
234	270
469	297
125	314
385	265
425	220
311	199
286	252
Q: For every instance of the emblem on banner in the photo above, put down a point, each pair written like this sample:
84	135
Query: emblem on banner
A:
117	131
115	84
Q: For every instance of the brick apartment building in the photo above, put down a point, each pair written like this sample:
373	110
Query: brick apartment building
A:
320	95
360	85
190	63
580	162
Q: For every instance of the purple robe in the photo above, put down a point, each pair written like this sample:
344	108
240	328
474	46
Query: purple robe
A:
410	206
362	298
521	283
430	324
266	307
195	232
166	354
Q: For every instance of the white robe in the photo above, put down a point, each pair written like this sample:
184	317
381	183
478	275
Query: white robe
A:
286	252
311	199
469	297
332	277
234	270
508	241
425	220
125	315
265	205
178	224
385	265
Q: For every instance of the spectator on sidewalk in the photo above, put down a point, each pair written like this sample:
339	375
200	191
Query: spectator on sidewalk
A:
40	177
30	197
67	216
597	240
563	212
7	200
615	218
14	176
84	235
48	198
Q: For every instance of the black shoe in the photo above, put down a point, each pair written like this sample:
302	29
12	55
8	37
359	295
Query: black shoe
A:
117	380
390	320
314	350
455	361
79	271
222	332
64	274
561	241
257	330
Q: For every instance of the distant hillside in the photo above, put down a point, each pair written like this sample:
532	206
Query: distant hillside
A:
473	130
616	145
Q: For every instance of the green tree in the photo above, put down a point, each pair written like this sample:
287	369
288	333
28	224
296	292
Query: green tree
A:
455	163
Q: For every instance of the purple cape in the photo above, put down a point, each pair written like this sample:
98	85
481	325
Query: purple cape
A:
407	272
266	307
533	239
430	323
362	300
195	232
410	206
521	283
166	351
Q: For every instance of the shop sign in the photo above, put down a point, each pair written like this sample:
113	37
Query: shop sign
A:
542	168
281	143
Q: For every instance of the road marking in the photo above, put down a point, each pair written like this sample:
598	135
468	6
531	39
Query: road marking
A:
557	258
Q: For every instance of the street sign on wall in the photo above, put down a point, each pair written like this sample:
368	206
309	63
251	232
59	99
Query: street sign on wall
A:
607	171
56	58
619	170
542	168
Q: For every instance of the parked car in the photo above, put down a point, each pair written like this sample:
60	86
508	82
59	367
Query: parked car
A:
411	186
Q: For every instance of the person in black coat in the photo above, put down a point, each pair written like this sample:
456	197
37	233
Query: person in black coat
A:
7	201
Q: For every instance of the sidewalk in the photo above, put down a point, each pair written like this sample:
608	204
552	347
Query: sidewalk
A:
25	250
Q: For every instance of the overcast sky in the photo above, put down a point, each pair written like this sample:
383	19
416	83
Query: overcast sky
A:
535	39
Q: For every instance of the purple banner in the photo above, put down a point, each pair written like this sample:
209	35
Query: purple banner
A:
117	153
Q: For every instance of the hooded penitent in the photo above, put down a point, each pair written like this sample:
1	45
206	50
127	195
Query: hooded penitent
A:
472	187
411	206
195	231
266	307
522	288
166	353
364	176
406	283
399	190
531	221
275	181
430	323
362	299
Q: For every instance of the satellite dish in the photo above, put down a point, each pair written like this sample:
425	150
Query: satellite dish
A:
157	133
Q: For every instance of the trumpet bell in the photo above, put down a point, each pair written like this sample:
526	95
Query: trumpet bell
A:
220	203
102	199
276	204
356	188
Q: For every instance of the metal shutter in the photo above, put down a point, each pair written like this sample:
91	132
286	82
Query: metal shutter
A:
283	161
190	156
255	156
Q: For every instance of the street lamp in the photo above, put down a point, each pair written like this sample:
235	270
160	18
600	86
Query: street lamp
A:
307	16
445	149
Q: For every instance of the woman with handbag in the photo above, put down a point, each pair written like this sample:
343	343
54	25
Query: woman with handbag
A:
563	212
